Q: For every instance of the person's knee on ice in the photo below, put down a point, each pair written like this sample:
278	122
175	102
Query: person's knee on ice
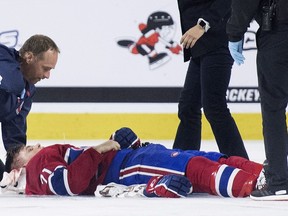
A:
199	171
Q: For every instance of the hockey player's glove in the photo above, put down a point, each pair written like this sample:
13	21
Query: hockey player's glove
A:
126	138
171	186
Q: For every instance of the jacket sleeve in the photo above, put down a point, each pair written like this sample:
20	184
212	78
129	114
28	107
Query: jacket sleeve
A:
13	116
216	12
74	178
243	12
8	102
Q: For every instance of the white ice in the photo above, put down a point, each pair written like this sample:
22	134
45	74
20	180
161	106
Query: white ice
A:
196	205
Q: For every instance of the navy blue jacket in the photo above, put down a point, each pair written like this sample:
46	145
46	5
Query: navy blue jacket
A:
216	12
14	108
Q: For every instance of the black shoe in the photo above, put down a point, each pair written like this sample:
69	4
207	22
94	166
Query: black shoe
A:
265	194
2	169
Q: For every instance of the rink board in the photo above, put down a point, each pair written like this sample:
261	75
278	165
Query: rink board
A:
161	126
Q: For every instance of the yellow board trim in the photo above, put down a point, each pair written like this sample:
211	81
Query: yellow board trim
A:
158	126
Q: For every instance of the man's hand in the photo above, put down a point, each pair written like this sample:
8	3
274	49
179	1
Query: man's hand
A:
191	36
236	49
107	146
171	186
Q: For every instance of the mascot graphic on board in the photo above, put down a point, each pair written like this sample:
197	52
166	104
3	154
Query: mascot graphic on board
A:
158	31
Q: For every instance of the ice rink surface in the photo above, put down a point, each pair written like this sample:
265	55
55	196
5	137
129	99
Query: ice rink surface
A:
196	204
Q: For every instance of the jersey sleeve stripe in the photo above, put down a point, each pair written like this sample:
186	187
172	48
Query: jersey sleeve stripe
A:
58	182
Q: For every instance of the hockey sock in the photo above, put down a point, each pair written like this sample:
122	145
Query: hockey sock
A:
228	181
242	163
211	177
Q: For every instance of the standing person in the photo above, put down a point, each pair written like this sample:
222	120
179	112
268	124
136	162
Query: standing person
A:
272	70
19	71
205	44
68	170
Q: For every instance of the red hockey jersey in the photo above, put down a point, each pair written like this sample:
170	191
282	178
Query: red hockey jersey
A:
60	169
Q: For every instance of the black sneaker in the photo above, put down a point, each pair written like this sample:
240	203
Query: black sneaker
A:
265	194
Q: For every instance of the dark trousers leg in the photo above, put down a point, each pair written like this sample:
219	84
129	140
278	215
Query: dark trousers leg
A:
188	134
205	86
272	64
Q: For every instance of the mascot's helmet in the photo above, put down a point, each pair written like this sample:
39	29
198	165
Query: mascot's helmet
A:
159	19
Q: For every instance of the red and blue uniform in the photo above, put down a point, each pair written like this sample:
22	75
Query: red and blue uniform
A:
67	170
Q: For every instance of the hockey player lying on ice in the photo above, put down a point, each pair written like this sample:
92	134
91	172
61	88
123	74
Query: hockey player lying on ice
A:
63	169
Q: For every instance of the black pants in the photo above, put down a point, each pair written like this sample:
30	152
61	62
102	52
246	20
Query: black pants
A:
272	66
205	87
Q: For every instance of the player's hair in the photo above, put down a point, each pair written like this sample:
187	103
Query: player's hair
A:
38	44
10	157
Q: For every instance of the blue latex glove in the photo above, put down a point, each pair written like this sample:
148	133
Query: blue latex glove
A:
236	49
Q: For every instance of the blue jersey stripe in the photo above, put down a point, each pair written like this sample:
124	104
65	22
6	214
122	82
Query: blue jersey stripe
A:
58	182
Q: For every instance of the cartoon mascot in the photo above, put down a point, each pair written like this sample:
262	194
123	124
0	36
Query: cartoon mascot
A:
160	27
